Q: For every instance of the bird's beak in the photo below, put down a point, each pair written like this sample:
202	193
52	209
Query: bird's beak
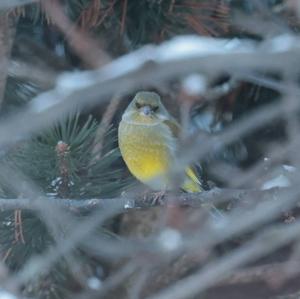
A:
146	110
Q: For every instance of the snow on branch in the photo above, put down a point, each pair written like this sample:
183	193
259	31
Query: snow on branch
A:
150	64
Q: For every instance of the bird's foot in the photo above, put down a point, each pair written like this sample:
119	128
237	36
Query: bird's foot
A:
158	198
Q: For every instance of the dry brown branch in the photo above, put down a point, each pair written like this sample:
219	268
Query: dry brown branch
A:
8	4
104	126
262	273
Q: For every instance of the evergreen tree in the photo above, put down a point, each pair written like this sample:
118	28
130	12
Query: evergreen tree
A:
78	158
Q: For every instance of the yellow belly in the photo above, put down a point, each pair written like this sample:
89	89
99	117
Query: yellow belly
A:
145	153
148	152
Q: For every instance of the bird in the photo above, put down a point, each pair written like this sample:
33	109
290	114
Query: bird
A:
148	137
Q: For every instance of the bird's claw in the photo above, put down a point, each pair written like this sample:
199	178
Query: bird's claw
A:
158	198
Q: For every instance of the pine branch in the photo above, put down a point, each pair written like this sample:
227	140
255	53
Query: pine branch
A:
196	200
63	151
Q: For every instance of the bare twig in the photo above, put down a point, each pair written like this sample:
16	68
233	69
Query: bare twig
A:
217	270
86	47
104	126
8	4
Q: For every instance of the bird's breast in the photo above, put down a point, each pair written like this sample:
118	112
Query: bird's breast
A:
147	150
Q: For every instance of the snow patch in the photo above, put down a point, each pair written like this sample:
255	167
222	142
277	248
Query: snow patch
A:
194	85
6	295
94	283
279	181
129	204
170	239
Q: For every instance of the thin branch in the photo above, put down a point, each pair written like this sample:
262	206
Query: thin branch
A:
149	64
8	4
217	270
79	234
7	33
256	273
104	126
81	42
43	78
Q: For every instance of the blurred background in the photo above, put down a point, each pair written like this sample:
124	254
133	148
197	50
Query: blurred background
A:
49	251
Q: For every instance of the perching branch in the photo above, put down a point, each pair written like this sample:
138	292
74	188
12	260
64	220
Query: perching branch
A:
136	201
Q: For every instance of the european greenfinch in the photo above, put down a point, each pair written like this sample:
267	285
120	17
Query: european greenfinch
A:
148	141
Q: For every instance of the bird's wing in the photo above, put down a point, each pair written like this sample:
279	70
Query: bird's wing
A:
174	126
192	182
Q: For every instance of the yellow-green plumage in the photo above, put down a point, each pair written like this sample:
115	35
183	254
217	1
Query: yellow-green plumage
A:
145	152
148	143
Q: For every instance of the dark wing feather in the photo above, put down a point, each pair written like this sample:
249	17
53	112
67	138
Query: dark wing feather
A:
194	173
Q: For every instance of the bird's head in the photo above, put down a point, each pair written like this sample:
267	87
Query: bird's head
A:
146	108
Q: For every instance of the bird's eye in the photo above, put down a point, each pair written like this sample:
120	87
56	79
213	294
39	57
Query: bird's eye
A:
138	105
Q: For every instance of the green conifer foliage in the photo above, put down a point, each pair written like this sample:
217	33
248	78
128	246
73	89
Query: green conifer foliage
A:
61	163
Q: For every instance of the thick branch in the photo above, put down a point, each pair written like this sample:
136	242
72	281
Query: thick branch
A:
137	202
145	66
